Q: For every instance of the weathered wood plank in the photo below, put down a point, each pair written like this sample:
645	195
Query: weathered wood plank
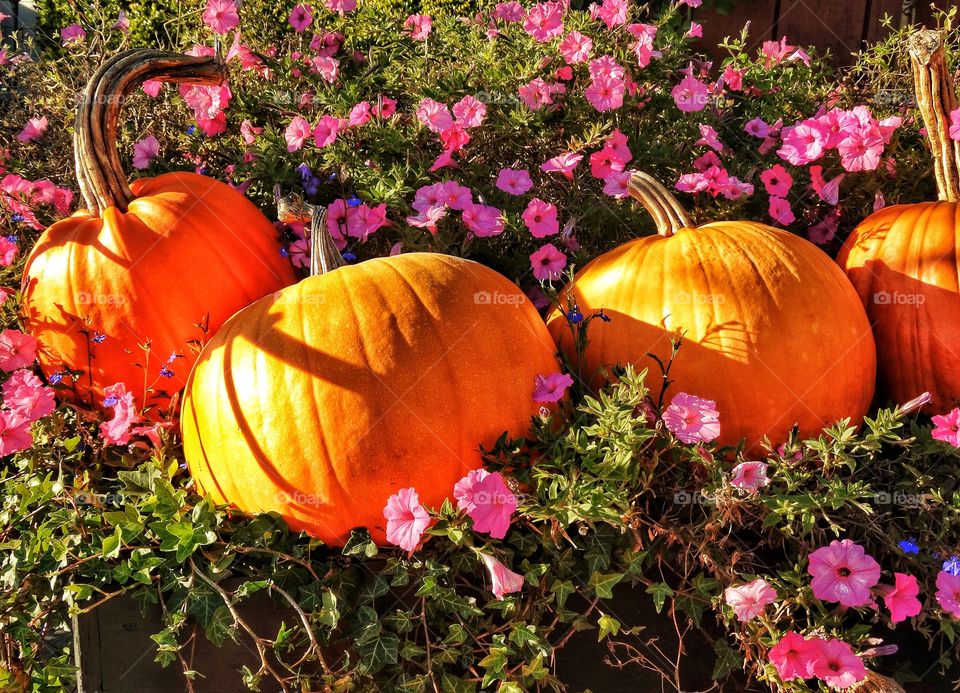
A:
834	26
762	15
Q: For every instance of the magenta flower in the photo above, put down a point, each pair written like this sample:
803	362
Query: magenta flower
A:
419	26
538	93
341	7
605	162
454	195
483	220
690	94
916	404
17	350
540	218
617	184
26	395
803	143
611	12
692	419
793	657
221	16
547	262
463	490
843	572
249	131
502	579
116	431
749	600
301	17
152	88
781	212
544	21
406	519
511	11
72	35
33	130
359	114
385	107
749	476
757	127
514	181
14	433
948	593
563	163
551	388
955	125
8	253
470	111
327	130
835	663
605	93
297	133
901	598
144	151
122	23
777	181
861	151
828	191
710	138
489	503
436	116
695	30
946	428
575	48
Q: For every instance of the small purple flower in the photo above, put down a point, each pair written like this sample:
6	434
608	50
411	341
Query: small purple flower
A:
354	201
952	566
349	257
56	378
909	546
603	316
575	317
111	401
98	338
551	388
166	372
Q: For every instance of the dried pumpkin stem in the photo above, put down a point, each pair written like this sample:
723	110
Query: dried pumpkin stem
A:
936	99
100	174
324	256
667	212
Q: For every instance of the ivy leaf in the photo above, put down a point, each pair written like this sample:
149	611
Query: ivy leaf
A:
360	544
608	626
378	652
603	584
728	660
660	592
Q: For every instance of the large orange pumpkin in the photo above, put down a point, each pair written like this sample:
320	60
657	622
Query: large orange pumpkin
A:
772	330
323	400
113	292
905	260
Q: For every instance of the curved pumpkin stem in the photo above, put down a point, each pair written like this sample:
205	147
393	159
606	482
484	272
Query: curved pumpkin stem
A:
667	212
100	174
324	256
936	100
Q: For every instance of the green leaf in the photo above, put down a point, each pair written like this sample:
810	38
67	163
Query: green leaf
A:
378	652
727	660
608	626
660	592
603	583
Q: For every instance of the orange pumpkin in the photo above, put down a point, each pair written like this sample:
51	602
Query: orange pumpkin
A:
146	271
904	260
323	400
772	330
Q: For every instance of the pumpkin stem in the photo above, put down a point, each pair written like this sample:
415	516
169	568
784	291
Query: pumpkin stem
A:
936	100
100	174
324	256
667	212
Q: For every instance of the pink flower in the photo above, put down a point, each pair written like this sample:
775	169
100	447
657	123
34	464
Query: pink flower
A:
537	93
436	116
116	431
328	68
733	78
359	114
749	476
690	94
749	600
563	163
605	93
901	598
541	218
695	30
955	125
948	593
835	663
483	220
692	419
575	48
947	428
643	49
757	127
365	220
152	87
72	35
17	350
710	138
843	572
860	151
548	262
406	519
544	21
427	218
777	181
145	150
455	195
470	111
617	184
8	253
509	11
514	181
454	138
385	107
33	130
14	433
419	26
780	211
488	501
605	162
551	388
297	133
327	130
27	396
793	657
249	131
341	7
829	192
612	12
301	17
803	143
690	3
463	490
221	15
122	23
502	579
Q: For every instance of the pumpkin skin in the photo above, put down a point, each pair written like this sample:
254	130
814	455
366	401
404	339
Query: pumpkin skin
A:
772	330
321	401
903	261
160	263
188	251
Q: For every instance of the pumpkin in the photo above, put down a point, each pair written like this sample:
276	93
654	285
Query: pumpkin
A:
323	400
128	288
904	260
772	330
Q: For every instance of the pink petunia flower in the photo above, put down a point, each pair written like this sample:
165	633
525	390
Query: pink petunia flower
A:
327	130
489	503
463	489
144	151
860	151
690	94
781	212
301	17
605	162
406	519
733	78
695	30
483	220
828	191
540	218
793	656
948	593
551	388
757	127
843	572
563	163
617	185
72	35
14	433
249	131
547	262
901	598
25	394
575	48
341	7
835	663
116	431
436	116
419	26
710	138
511	11
385	107
502	579
17	350
152	88
749	600
8	253
544	21
514	181
428	218
692	419
221	15
803	143
749	476
297	133
33	130
605	93
777	181
470	111
955	125
946	428
122	23
611	12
